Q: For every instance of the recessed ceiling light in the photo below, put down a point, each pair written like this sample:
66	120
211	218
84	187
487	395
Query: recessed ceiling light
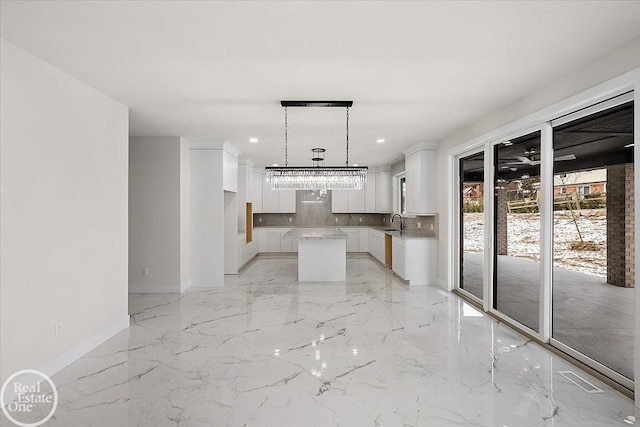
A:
380	140
275	164
508	143
253	140
355	164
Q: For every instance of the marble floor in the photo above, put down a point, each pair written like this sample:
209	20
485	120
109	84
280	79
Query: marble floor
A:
265	350
589	315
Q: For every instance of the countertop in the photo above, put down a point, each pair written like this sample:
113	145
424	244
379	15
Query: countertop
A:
405	234
315	233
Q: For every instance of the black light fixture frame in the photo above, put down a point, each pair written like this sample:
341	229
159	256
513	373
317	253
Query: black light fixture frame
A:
324	169
342	104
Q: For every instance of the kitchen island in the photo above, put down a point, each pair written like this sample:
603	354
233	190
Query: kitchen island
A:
322	253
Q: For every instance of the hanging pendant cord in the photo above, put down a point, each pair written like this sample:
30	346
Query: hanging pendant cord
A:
347	136
286	139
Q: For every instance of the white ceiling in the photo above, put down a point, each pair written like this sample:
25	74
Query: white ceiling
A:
416	71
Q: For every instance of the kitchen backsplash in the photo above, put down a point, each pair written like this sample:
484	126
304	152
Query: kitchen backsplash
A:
313	209
412	223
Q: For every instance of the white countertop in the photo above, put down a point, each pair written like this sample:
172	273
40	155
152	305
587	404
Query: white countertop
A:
315	233
406	234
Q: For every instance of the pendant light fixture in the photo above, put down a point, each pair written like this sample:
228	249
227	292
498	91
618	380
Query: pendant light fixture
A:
317	177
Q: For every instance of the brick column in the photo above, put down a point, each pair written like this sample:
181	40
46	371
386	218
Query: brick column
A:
502	221
620	225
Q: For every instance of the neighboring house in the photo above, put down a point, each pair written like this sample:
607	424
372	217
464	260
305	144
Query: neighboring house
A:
581	183
473	193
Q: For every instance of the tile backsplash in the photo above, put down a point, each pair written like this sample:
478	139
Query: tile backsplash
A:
313	209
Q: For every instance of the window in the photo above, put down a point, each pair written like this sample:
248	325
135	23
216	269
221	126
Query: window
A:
403	195
584	190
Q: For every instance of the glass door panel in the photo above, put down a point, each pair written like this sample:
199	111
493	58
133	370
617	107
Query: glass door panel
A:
516	281
471	199
593	247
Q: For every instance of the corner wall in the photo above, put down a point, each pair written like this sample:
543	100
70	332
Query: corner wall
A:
63	215
157	198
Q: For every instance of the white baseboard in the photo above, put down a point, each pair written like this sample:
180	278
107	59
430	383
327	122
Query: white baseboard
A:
443	284
185	285
157	289
67	358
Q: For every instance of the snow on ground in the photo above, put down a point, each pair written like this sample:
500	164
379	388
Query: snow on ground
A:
524	238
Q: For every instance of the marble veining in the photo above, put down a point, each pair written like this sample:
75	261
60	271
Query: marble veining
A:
265	350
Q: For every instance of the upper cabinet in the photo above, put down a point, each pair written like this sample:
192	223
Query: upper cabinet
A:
276	201
245	180
384	190
420	172
245	184
230	168
374	197
256	190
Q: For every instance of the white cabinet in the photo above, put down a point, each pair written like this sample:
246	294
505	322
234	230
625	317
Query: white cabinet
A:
356	201
363	237
398	257
229	171
271	240
347	201
376	244
270	199
420	168
384	191
245	184
286	201
375	195
263	239
246	251
353	239
339	201
370	193
256	190
277	201
274	240
415	260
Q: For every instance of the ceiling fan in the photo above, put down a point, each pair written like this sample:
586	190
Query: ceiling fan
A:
530	158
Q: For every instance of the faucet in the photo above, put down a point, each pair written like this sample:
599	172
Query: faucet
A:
399	216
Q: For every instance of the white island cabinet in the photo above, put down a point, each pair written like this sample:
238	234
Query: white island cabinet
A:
322	254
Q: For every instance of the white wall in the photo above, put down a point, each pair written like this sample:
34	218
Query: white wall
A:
157	199
185	212
63	201
623	59
207	217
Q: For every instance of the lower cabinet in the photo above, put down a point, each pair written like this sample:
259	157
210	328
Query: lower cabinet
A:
246	251
376	244
399	262
415	260
353	239
271	240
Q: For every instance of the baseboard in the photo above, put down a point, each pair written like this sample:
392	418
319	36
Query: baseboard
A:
67	358
185	285
442	283
158	289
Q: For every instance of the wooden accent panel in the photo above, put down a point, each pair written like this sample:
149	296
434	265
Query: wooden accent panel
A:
388	255
249	225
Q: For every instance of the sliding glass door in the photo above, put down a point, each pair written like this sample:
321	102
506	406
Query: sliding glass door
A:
471	205
593	237
516	248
